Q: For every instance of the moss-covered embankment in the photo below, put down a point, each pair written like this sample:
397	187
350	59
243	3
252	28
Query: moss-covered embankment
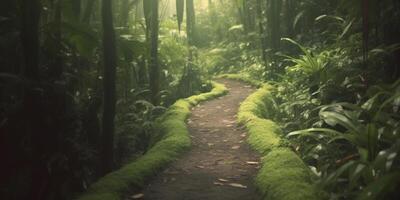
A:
283	175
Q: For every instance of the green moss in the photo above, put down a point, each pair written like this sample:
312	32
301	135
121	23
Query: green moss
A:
283	175
242	77
174	142
263	135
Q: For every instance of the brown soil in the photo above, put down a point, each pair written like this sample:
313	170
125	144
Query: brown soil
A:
220	164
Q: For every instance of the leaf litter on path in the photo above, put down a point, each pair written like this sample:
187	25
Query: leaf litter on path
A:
137	196
252	162
235	147
223	180
237	185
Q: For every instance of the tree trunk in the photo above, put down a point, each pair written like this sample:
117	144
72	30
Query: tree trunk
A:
88	11
110	60
30	37
154	74
261	31
125	7
290	15
190	22
274	23
33	118
76	6
58	64
365	24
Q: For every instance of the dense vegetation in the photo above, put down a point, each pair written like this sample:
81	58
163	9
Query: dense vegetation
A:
82	83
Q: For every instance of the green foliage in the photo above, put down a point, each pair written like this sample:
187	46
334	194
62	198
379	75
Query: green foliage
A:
307	63
370	134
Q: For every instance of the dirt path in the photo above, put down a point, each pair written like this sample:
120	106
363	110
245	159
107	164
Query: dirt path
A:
217	167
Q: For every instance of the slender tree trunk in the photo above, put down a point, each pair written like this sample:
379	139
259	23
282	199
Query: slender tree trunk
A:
58	64
190	30
31	11
110	60
365	22
190	22
245	16
30	37
290	14
180	7
125	7
154	74
261	31
87	14
147	10
76	4
274	23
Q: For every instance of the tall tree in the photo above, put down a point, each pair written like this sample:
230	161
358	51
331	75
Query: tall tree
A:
154	72
110	60
274	11
180	5
190	22
290	15
33	120
30	37
88	12
261	30
147	10
365	24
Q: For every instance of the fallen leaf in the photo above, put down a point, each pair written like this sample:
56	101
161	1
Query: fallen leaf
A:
201	167
252	163
218	183
223	180
238	185
137	196
243	135
235	147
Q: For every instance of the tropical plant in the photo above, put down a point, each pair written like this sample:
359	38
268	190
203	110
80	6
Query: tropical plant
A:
366	136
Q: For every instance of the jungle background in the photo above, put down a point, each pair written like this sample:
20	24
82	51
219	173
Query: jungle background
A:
82	83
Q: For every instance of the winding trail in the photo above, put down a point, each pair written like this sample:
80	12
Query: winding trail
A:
220	164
